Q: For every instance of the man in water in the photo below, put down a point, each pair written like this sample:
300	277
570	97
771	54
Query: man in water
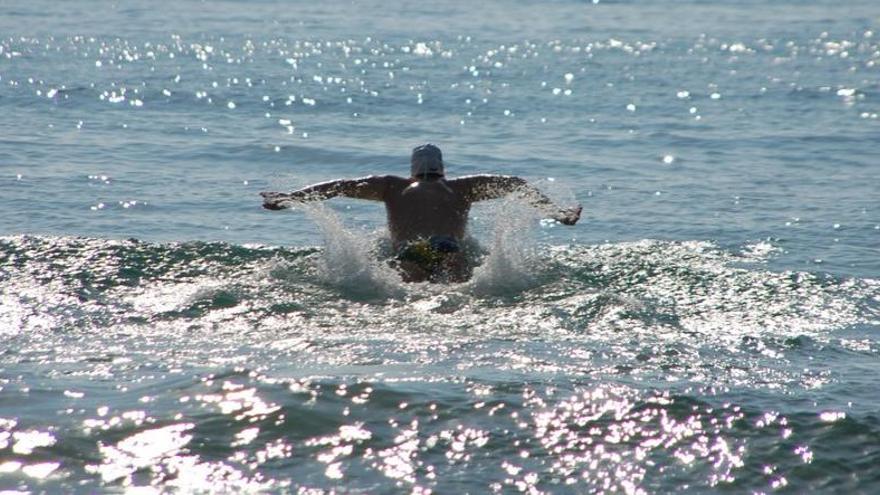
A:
427	214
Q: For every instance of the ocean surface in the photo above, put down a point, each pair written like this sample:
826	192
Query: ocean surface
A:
711	325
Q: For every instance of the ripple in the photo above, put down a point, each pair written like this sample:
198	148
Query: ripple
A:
596	360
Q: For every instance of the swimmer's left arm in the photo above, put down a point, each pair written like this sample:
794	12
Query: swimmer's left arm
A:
485	187
371	188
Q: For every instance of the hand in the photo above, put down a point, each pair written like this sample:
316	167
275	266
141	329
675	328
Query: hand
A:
271	201
569	216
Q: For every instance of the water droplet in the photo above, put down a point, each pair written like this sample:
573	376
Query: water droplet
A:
40	470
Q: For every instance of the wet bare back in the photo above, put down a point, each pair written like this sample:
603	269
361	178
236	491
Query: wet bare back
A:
425	208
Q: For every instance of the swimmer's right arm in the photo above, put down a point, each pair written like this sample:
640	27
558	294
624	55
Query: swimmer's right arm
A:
371	188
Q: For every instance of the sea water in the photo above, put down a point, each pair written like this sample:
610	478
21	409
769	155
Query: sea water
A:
710	325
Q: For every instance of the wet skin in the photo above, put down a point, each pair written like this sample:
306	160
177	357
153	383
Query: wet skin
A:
427	206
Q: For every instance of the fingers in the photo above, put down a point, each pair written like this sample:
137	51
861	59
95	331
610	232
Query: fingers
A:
273	200
570	216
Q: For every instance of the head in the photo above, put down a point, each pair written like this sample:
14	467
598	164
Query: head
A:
426	162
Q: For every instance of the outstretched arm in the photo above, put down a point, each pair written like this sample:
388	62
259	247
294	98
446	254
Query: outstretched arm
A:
484	187
372	187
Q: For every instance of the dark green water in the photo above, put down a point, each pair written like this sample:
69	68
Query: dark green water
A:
649	366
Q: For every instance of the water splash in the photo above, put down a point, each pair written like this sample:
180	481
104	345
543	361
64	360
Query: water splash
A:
513	263
354	261
350	261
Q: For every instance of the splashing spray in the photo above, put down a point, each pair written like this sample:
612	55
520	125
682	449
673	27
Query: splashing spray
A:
512	262
349	261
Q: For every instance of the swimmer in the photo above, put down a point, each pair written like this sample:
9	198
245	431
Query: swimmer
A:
427	214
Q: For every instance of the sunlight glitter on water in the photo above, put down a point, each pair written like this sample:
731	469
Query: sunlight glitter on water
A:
228	54
649	303
617	362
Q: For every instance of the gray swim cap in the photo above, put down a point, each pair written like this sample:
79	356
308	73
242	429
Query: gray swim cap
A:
426	160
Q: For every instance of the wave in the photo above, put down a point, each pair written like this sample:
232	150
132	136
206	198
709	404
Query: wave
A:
245	431
646	287
219	367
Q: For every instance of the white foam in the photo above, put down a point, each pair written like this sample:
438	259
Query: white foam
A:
512	262
348	259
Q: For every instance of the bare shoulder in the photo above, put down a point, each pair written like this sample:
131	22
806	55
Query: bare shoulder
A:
480	179
470	178
470	181
375	179
485	186
393	179
373	187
